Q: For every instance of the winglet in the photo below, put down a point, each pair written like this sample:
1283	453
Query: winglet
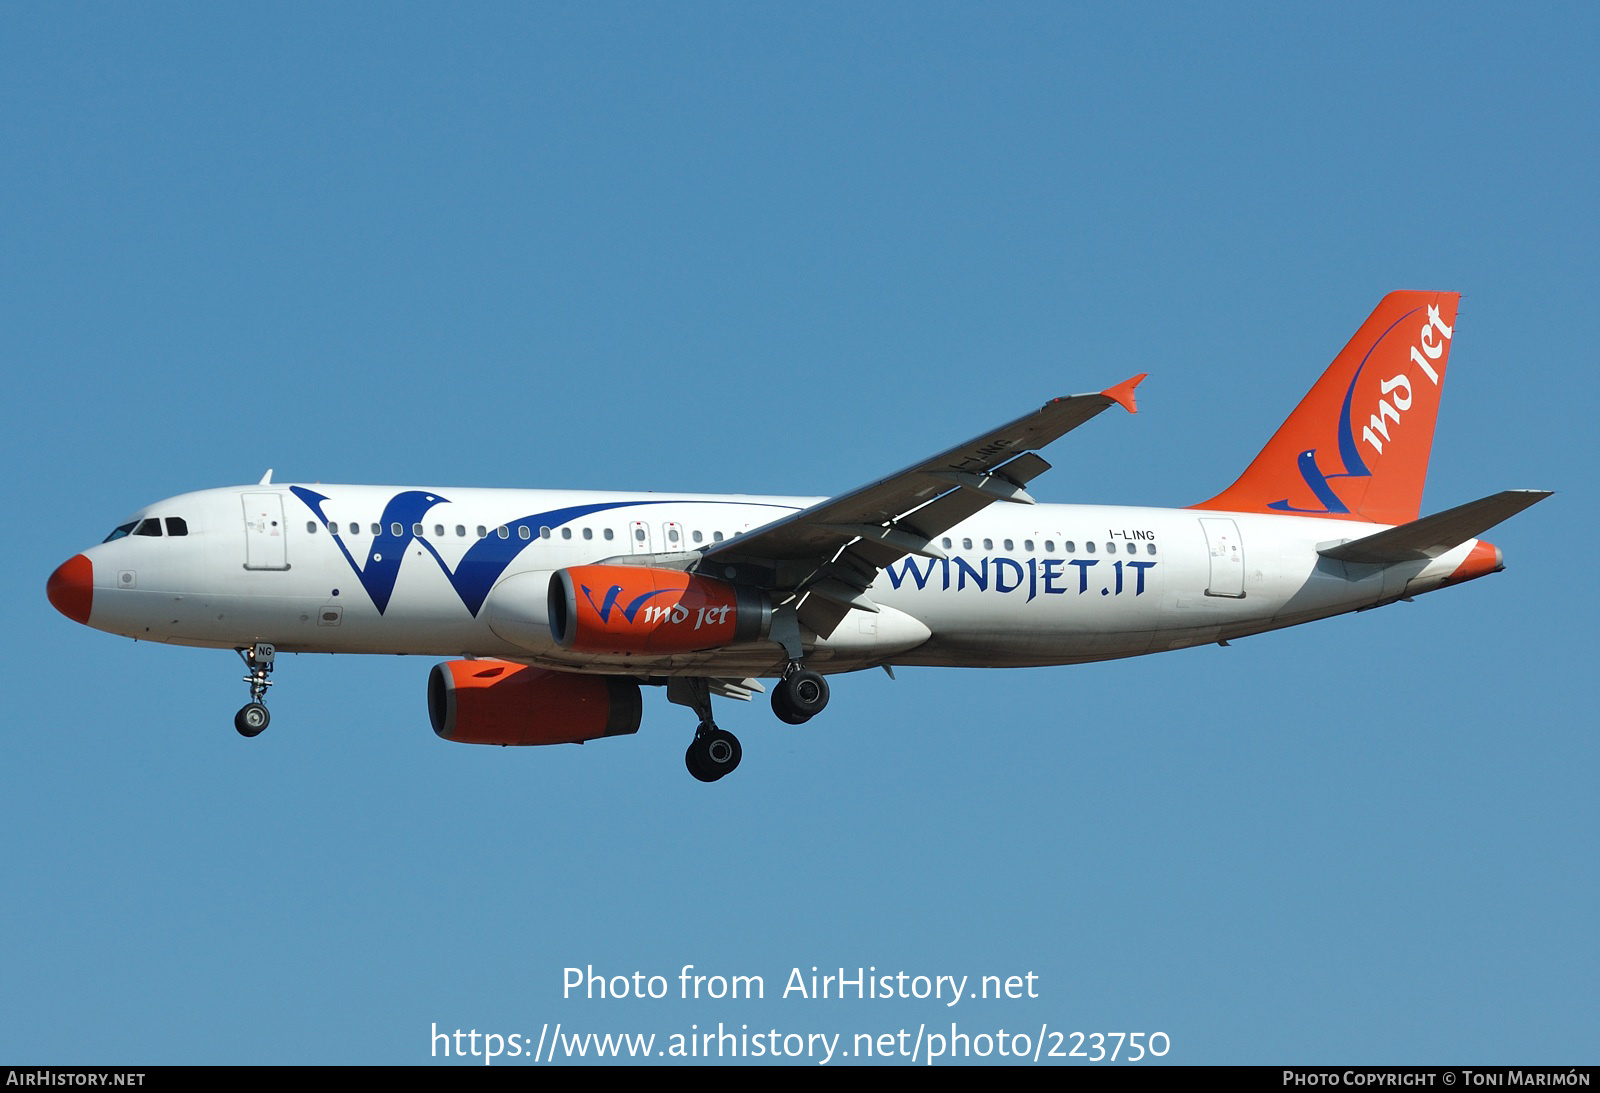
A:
1122	393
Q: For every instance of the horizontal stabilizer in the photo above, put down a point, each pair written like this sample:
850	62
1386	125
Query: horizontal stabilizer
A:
1431	536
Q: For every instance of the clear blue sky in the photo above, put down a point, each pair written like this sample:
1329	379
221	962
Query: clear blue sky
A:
787	249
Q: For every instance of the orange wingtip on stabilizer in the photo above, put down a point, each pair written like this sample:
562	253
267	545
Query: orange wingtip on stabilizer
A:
1122	393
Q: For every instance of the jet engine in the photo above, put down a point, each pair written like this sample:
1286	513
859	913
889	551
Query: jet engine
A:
613	610
497	702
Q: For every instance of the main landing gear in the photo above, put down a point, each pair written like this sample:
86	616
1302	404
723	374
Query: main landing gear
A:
800	695
253	718
713	753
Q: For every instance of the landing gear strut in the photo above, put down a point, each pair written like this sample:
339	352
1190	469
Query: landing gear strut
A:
253	718
714	752
800	695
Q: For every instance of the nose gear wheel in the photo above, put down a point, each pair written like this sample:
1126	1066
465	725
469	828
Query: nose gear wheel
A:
258	659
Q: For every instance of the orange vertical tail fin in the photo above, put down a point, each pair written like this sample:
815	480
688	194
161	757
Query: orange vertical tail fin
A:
1357	446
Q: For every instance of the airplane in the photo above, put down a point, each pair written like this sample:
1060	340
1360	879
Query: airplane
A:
557	607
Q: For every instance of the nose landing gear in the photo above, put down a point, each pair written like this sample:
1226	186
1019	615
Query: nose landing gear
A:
253	718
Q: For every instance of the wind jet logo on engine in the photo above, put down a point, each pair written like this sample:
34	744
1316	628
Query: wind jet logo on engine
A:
657	614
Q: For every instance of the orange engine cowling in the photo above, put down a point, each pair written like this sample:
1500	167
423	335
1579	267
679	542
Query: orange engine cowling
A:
497	702
620	609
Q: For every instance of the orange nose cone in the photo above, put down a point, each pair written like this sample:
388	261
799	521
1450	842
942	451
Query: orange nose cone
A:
71	588
1484	559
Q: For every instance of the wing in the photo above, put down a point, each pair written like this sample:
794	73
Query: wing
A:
824	557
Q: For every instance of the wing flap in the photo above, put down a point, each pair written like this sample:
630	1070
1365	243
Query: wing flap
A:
741	689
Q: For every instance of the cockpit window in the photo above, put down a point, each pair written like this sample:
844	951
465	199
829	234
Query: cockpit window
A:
149	526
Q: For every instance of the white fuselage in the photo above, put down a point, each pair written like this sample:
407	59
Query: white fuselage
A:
463	572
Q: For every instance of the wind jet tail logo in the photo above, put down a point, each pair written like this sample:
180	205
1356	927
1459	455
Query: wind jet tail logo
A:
1356	448
1382	462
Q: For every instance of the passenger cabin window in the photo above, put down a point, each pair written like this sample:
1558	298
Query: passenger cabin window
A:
311	527
607	533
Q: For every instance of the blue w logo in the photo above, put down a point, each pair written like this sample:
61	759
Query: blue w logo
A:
479	568
603	608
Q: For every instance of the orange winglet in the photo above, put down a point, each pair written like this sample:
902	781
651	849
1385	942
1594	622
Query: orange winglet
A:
1122	393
